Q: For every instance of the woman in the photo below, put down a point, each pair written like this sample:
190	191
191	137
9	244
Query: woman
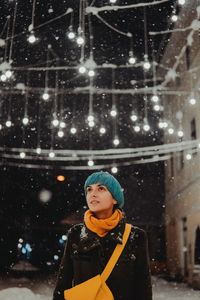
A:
90	245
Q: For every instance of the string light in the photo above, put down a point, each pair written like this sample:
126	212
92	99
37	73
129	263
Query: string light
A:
113	1
180	133
32	39
131	59
90	118
114	170
8	73
62	124
22	154
51	154
25	120
188	156
170	130
91	73
192	101
1	126
181	2
174	17
102	130
156	107
82	69
45	96
90	163
38	150
146	127
60	133
73	130
71	35
55	122
116	141
8	123
80	40
3	77
155	98
113	111
136	128
146	63
133	116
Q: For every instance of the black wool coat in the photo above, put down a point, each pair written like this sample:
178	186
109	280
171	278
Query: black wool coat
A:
86	255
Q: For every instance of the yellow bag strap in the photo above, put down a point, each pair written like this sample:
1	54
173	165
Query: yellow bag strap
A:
116	253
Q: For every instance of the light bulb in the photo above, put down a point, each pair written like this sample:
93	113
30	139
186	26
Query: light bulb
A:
90	163
3	77
113	1
8	73
71	35
60	133
114	170
102	130
80	40
154	98
91	73
156	107
136	128
38	150
82	70
116	141
62	124
113	112
188	156
90	118
132	60
51	154
160	124
170	130
91	123
174	18
134	117
146	127
32	38
181	2
22	154
180	133
73	130
55	122
1	126
25	120
192	101
45	96
8	123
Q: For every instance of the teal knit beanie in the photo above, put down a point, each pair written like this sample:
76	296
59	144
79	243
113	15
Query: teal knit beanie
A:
110	182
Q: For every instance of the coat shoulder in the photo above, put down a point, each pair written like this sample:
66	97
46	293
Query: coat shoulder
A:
138	233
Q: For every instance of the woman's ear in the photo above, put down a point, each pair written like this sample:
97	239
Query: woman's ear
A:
114	201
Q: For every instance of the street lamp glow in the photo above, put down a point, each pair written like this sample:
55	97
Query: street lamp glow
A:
62	124
90	118
132	60
71	35
113	112
188	156
146	127
154	98
180	133
156	107
134	117
91	123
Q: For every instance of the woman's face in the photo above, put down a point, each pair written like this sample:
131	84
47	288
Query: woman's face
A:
99	199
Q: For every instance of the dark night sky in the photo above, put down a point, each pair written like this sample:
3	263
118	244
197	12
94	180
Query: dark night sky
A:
20	210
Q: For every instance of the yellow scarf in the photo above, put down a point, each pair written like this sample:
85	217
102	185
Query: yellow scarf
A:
102	226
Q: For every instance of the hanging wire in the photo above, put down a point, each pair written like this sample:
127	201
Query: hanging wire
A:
33	13
39	123
6	41
47	69
13	31
27	95
81	27
145	32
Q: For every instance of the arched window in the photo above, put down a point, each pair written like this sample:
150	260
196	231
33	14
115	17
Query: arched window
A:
197	247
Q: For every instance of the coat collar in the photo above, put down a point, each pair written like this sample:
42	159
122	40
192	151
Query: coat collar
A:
90	240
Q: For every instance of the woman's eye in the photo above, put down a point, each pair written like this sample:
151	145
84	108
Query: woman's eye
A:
101	188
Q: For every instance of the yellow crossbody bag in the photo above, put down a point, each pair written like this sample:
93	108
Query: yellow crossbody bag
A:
96	287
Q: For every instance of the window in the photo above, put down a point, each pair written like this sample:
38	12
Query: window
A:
197	247
187	57
193	132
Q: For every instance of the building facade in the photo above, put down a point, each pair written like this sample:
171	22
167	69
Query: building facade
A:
181	108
